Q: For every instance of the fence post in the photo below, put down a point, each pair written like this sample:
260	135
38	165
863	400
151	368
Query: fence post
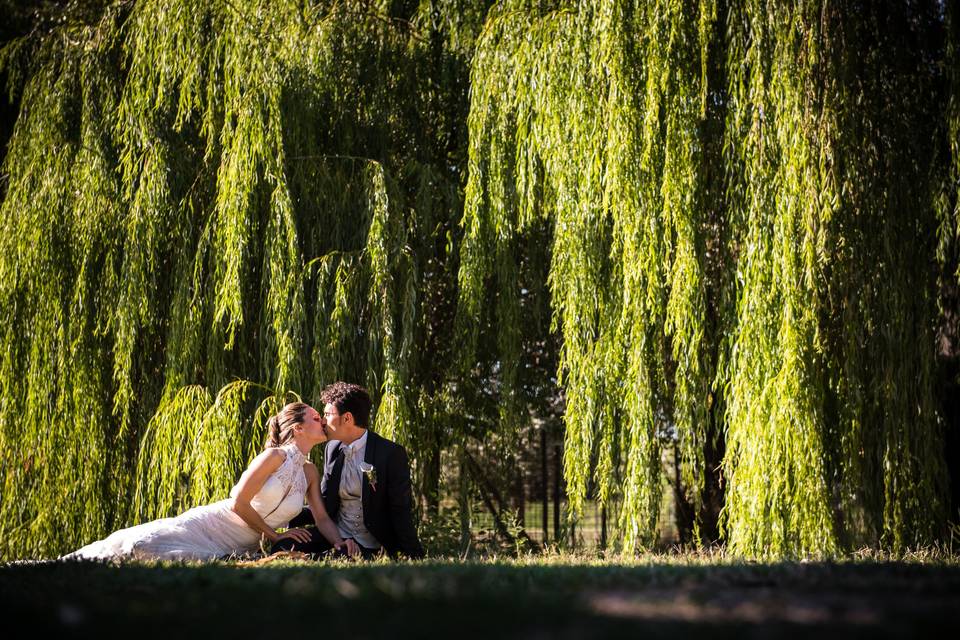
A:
464	499
544	481
556	491
603	526
521	496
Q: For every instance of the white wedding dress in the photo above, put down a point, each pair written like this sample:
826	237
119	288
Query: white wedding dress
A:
213	530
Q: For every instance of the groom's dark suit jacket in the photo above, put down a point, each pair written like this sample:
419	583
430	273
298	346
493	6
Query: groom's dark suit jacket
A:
387	509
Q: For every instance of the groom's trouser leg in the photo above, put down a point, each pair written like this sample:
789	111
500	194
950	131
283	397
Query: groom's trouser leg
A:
302	519
317	545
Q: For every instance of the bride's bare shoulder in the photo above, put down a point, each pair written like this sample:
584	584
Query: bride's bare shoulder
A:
269	458
275	453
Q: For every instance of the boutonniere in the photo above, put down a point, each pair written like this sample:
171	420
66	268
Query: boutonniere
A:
371	472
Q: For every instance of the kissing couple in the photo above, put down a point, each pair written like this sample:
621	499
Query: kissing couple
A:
361	506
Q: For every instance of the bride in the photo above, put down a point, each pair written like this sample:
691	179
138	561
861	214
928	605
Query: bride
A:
269	493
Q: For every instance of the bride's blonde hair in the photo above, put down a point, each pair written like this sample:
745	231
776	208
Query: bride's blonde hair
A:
280	427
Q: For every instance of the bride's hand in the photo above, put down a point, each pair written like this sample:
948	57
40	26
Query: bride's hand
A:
299	535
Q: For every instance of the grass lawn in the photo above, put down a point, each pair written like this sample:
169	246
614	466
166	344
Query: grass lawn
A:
675	596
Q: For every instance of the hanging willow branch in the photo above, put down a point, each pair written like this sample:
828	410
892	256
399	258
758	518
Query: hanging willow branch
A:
832	368
949	203
589	117
775	413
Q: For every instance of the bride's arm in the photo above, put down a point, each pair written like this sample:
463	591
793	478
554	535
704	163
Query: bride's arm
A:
250	483
323	521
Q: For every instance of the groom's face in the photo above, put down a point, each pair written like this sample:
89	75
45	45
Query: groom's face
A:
331	421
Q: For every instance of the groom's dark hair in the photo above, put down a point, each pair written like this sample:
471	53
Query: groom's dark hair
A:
349	397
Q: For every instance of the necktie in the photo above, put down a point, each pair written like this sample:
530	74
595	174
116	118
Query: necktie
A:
338	467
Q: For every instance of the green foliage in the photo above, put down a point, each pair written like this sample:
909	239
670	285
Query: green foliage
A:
949	202
831	370
775	412
590	117
741	204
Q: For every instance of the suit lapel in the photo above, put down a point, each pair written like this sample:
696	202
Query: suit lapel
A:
333	486
368	457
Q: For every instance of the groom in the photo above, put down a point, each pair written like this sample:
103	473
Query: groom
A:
365	486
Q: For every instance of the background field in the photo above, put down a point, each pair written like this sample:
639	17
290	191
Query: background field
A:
677	596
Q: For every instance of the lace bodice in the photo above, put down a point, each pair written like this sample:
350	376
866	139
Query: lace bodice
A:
290	474
281	497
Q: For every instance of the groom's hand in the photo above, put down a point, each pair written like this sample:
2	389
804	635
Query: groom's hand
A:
299	535
351	547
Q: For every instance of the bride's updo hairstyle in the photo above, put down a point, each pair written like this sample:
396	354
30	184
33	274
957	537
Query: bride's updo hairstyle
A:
280	427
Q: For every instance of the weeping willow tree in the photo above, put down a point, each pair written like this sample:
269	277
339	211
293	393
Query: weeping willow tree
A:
727	210
814	333
213	207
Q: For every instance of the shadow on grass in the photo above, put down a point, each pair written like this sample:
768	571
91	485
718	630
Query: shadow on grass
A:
484	599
